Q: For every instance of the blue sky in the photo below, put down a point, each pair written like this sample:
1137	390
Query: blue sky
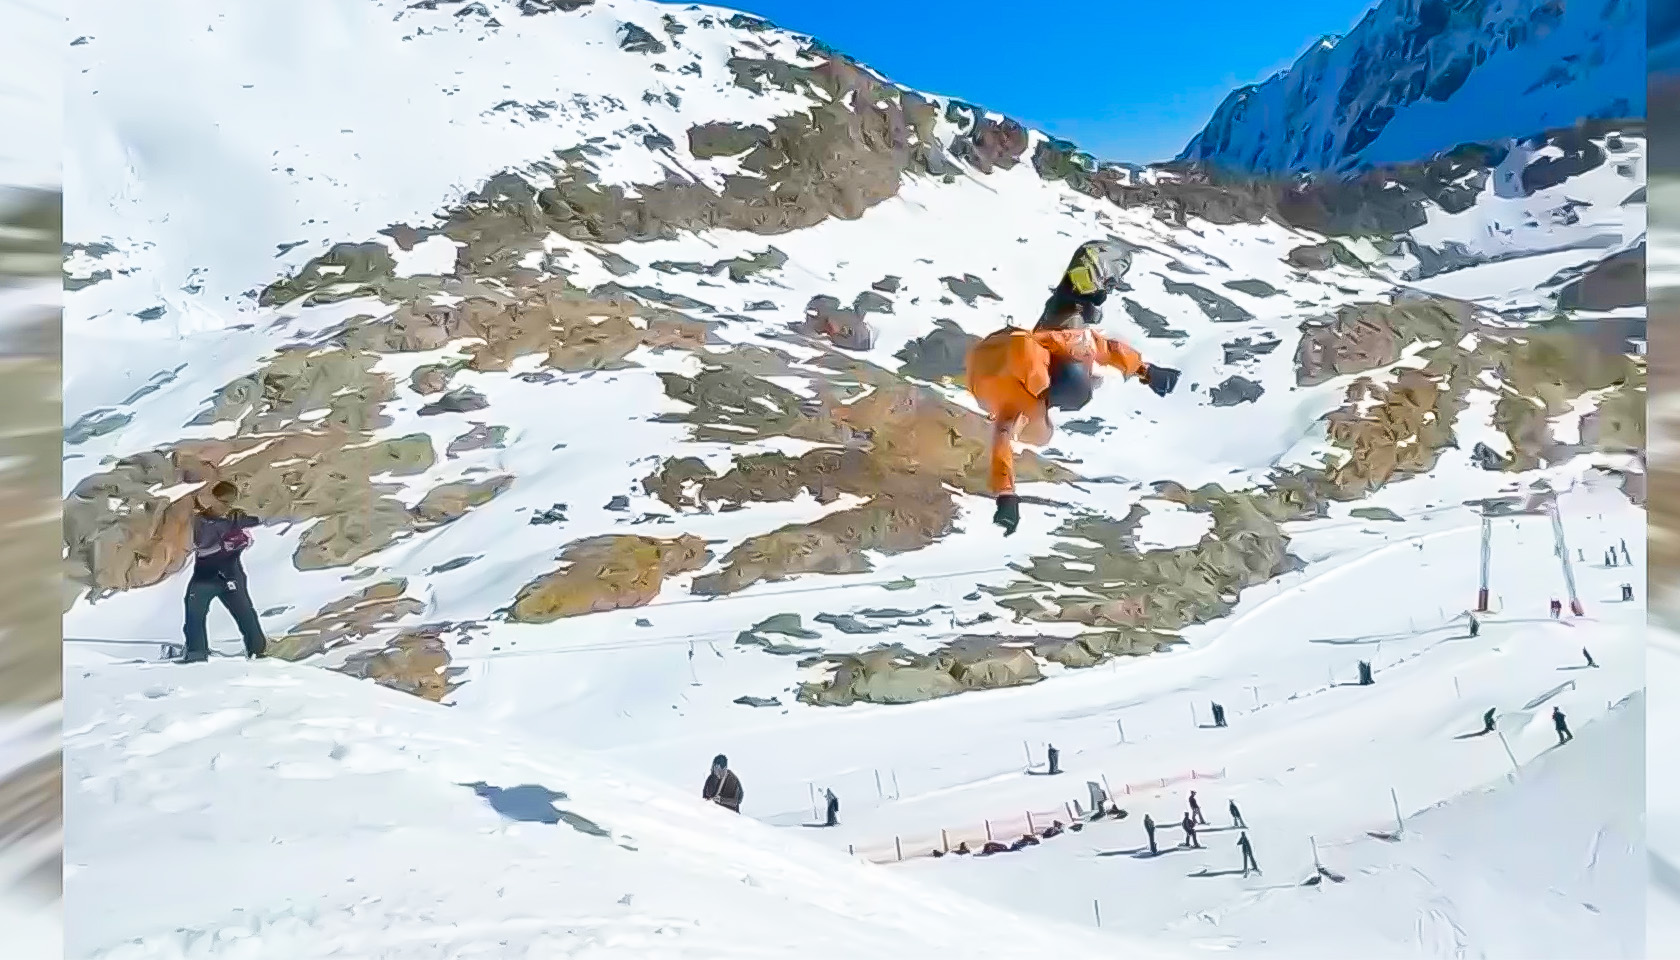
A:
1126	81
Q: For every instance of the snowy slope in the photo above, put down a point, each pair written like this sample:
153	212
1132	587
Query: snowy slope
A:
282	811
190	196
1418	76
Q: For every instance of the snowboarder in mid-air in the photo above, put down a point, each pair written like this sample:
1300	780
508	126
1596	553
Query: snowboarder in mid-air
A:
1561	724
1018	376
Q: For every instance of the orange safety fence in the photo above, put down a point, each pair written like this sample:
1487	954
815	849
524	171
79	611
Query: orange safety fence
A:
1009	827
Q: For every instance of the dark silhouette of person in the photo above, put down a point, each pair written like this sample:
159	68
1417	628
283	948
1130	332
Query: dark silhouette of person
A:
218	540
1590	661
1236	815
833	811
1475	626
1561	724
722	786
1055	758
1218	715
1196	808
1247	854
1487	721
1189	825
1149	830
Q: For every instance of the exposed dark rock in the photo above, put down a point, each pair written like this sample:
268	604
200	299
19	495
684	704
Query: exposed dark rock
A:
887	284
1579	156
1236	390
1614	282
1376	513
96	423
871	302
1154	325
637	40
1217	308
554	514
1254	288
988	143
969	287
844	328
748	701
1322	256
459	400
725	139
1488	458
1365	336
846	623
480	437
1243	349
939	354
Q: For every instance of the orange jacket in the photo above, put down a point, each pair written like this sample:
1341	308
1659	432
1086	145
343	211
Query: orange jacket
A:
1008	373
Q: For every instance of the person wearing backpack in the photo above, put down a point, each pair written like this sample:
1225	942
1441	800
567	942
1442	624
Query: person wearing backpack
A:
219	537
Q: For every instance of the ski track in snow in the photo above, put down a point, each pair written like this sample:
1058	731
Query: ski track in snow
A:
343	799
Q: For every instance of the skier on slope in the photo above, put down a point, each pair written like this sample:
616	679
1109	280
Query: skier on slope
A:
1017	376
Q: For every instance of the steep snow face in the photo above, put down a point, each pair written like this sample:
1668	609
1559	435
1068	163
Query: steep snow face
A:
282	811
1418	76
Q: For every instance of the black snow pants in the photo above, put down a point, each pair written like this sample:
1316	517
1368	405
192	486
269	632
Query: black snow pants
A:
230	589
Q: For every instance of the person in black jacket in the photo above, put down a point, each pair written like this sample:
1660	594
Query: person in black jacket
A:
1561	725
1247	854
722	786
219	537
833	810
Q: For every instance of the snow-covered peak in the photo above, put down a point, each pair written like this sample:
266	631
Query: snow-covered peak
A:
1419	76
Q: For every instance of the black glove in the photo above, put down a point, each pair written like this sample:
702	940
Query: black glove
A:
1159	379
1008	515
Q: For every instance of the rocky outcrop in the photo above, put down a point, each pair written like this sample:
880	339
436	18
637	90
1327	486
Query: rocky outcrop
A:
1215	307
897	675
1361	337
415	661
843	327
986	143
374	608
1613	283
938	355
969	288
1321	256
1235	390
607	573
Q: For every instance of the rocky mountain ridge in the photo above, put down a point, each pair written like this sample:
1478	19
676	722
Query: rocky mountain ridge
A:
745	336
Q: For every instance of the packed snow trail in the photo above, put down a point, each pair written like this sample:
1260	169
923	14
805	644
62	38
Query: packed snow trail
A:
246	810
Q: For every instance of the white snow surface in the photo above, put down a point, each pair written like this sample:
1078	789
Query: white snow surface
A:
188	183
283	811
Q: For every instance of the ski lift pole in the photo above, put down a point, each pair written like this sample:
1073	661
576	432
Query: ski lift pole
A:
1487	554
1563	557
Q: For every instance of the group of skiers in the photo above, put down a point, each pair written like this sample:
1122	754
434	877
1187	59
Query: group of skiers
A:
1192	819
